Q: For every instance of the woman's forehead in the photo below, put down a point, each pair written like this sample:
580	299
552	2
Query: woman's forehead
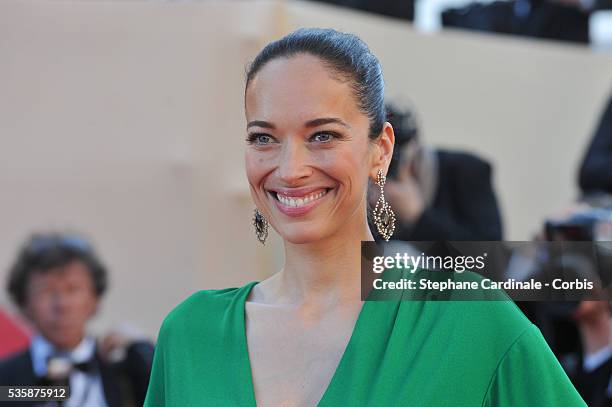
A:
299	88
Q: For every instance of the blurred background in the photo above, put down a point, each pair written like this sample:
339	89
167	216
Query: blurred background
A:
122	120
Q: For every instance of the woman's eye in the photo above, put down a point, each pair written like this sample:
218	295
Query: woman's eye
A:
323	137
259	139
263	139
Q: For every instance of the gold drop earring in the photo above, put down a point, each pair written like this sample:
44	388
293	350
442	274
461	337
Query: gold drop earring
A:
384	218
261	226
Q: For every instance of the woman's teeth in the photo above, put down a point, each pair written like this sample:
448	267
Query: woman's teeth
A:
297	202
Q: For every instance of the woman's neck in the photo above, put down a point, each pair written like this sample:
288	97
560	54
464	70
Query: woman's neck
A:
323	273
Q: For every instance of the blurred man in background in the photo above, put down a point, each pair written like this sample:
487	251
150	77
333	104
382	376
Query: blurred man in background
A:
57	282
438	194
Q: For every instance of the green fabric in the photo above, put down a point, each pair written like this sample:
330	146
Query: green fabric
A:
401	353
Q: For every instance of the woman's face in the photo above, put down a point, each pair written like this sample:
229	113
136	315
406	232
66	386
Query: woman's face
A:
308	157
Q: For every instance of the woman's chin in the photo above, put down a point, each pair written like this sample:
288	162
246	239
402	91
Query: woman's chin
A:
302	235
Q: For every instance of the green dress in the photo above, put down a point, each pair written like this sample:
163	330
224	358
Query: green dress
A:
401	353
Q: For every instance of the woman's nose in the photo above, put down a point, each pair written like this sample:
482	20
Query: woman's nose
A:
294	163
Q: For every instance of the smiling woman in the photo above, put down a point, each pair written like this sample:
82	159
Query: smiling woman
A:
320	134
316	137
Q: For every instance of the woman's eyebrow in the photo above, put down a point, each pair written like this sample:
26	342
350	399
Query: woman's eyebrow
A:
311	123
260	123
326	120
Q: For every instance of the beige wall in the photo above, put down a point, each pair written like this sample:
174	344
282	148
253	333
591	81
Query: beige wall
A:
124	120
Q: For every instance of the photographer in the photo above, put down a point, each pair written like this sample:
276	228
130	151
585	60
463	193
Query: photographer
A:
438	194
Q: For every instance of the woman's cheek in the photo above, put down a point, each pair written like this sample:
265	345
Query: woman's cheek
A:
343	165
255	166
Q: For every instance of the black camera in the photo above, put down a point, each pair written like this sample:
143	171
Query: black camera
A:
579	249
579	227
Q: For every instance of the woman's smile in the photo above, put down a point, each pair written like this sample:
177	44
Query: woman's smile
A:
298	201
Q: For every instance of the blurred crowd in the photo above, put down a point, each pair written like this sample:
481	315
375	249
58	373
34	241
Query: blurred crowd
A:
564	20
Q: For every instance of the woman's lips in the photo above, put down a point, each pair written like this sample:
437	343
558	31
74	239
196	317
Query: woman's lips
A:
297	202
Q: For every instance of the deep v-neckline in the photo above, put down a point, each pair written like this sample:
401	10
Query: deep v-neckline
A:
245	347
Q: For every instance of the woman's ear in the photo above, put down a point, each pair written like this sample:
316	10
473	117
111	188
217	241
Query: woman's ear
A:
384	150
